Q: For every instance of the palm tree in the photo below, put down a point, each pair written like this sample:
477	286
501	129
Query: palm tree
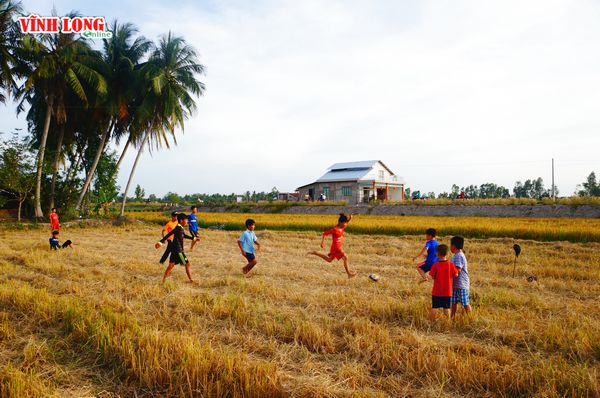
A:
55	66
8	42
170	74
121	57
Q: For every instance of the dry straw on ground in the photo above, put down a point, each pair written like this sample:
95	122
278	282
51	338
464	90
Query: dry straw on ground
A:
95	321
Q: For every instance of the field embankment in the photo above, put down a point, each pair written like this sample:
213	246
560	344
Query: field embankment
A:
550	229
450	210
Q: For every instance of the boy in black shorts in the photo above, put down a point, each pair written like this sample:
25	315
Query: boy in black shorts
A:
177	253
443	273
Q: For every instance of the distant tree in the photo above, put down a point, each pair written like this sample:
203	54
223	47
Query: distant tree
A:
140	194
590	187
443	195
407	193
533	189
472	191
454	192
152	198
17	171
172	197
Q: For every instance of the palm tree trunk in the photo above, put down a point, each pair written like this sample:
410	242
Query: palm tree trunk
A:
40	162
19	211
137	158
123	154
92	170
56	164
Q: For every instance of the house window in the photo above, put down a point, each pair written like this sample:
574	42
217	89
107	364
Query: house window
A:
381	175
346	191
326	192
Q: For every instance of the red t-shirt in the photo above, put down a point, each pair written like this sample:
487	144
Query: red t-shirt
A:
54	221
337	235
443	273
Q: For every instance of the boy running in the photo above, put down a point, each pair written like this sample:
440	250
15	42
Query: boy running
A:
461	283
166	229
193	226
428	252
177	252
55	244
246	244
336	252
54	224
442	272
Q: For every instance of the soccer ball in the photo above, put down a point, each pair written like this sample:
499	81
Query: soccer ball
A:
374	277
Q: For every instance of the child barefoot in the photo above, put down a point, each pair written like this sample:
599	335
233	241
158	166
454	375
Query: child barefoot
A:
336	252
246	244
428	252
55	244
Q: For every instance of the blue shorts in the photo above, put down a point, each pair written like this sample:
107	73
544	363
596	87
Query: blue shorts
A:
250	256
426	267
460	296
440	302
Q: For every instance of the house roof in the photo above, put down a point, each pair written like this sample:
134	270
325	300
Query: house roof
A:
350	171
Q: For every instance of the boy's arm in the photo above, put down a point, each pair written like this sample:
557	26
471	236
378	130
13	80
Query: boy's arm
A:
167	236
349	217
257	245
421	254
241	247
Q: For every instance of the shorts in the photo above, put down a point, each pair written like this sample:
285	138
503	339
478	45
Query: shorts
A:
194	234
426	267
338	254
460	296
250	257
178	258
440	302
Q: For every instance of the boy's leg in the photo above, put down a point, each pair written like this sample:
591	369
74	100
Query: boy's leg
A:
453	312
432	314
324	257
168	271
67	243
249	266
447	312
423	275
351	274
194	242
188	271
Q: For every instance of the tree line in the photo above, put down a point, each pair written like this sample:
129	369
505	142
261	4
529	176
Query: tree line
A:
78	100
531	188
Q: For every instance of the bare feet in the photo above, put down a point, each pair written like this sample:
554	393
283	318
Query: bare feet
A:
423	280
351	274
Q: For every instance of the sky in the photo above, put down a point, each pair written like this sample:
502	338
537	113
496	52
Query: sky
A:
443	92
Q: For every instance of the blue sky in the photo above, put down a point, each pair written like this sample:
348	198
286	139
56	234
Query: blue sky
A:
461	92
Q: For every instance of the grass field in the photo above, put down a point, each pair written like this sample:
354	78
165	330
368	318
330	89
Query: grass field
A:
95	321
541	229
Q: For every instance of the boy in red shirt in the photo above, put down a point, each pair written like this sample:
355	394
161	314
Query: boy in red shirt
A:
442	272
336	252
54	224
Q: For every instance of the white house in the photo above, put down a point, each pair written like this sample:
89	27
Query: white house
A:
356	182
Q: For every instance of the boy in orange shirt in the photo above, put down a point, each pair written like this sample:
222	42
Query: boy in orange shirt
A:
443	273
336	252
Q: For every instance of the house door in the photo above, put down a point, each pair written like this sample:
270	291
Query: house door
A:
311	193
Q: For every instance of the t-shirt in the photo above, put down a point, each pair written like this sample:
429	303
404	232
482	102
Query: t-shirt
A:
54	244
337	235
431	254
169	227
442	272
193	223
462	280
248	238
54	224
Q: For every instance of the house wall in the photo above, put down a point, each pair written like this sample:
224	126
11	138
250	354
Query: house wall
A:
374	174
335	191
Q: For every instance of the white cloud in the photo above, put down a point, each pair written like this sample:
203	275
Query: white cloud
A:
443	92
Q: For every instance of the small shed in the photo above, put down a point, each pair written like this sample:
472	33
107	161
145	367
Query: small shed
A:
356	182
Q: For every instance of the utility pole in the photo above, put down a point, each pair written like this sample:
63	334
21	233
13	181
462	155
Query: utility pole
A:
553	190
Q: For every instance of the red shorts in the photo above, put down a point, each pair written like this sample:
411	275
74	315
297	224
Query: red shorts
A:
336	253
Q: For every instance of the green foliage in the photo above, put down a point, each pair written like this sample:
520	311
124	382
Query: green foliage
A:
17	174
140	194
105	182
590	187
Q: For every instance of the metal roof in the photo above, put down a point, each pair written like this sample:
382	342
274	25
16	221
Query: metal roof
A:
365	164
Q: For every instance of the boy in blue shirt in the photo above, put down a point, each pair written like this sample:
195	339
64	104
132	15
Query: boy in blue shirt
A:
429	252
193	226
246	243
